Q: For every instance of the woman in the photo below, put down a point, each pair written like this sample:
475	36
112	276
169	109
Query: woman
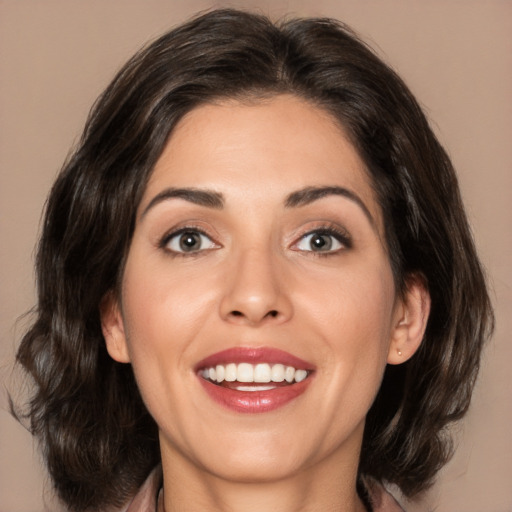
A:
257	285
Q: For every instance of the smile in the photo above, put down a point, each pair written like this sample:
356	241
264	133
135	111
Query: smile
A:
251	380
248	373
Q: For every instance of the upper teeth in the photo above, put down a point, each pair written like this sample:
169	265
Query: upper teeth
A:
246	372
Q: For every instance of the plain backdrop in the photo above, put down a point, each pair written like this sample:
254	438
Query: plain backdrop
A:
56	56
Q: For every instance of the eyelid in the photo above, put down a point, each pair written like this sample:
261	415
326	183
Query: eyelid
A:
175	232
341	235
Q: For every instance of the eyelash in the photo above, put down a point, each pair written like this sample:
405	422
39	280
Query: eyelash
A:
168	237
341	236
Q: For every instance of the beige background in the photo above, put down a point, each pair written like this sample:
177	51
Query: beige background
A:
57	55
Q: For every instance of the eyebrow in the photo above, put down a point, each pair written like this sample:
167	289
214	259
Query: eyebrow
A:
207	198
215	200
309	195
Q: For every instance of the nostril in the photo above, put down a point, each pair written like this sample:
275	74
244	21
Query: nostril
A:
270	314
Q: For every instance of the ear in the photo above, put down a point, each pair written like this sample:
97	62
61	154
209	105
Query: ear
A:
113	328
410	321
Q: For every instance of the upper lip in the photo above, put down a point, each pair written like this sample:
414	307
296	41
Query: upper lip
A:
254	355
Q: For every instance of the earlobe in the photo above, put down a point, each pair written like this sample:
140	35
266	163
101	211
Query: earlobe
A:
113	328
410	322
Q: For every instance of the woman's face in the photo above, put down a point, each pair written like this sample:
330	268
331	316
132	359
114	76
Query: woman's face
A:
258	307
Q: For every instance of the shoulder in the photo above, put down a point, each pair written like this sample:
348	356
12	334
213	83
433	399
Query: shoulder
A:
146	498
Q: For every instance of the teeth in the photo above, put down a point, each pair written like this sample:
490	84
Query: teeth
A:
248	373
245	372
230	374
277	373
262	373
300	375
254	388
220	373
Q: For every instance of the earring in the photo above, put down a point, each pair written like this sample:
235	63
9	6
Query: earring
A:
399	352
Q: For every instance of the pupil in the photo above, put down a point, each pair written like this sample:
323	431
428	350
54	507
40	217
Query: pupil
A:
188	241
321	242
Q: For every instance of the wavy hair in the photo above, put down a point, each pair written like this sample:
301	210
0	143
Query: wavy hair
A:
97	437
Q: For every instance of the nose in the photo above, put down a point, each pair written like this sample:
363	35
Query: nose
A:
256	291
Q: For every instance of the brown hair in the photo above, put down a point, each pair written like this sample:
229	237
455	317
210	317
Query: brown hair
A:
98	439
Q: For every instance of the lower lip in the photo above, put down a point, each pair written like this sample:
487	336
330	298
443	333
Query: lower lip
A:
254	401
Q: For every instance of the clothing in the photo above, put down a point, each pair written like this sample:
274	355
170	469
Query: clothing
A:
381	500
146	499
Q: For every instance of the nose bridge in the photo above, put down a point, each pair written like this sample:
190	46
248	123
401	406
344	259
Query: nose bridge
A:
255	291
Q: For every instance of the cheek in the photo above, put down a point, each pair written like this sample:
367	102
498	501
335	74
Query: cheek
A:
161	306
355	305
161	316
354	315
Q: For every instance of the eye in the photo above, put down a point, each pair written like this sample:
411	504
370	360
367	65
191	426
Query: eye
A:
188	241
322	241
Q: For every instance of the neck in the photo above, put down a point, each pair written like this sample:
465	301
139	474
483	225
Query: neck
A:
326	487
258	497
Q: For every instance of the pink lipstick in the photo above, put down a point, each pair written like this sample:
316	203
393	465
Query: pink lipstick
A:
252	380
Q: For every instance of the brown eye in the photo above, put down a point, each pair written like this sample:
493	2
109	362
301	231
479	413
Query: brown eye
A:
321	243
189	241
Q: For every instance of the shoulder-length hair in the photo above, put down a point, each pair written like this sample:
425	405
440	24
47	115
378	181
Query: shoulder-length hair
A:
98	439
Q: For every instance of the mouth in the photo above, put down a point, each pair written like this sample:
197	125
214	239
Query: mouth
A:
249	377
254	380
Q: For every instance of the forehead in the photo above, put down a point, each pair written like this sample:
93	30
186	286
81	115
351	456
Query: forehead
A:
272	146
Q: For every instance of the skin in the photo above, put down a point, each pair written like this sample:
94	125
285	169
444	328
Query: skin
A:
256	281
